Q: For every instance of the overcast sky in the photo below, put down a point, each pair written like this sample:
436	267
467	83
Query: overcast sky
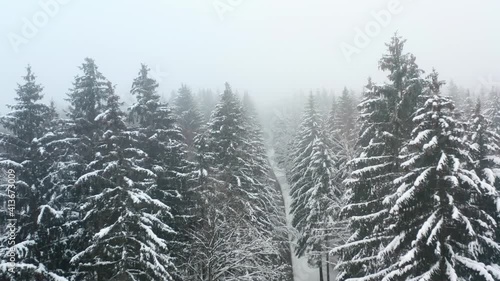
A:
267	47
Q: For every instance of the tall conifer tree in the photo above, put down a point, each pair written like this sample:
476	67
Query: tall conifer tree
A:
24	158
442	229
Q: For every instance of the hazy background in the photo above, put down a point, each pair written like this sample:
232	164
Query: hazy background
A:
268	48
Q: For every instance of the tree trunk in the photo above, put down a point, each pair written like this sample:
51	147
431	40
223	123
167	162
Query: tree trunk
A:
320	270
327	267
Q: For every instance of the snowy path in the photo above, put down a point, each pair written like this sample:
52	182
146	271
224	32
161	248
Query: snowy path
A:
301	270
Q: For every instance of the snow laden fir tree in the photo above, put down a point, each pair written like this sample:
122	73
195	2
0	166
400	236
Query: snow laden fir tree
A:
443	230
24	153
384	126
240	236
422	192
315	193
123	223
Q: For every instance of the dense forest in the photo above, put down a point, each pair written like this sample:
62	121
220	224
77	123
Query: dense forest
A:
398	182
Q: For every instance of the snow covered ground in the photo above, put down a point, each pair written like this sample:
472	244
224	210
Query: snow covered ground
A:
301	270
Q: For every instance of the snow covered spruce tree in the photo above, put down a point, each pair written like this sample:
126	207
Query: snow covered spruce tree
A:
161	139
225	140
314	191
457	95
331	122
468	107
273	223
75	144
463	100
188	116
484	149
385	125
493	109
87	99
323	102
207	102
345	117
22	158
453	92
58	218
443	230
367	185
342	131
200	251
124	225
270	200
235	239
282	128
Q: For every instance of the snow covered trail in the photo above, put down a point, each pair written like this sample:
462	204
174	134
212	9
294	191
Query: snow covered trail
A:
301	270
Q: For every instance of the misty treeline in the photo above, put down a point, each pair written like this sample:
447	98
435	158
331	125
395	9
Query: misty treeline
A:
401	183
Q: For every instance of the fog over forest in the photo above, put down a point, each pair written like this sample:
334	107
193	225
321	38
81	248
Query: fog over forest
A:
234	140
267	48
